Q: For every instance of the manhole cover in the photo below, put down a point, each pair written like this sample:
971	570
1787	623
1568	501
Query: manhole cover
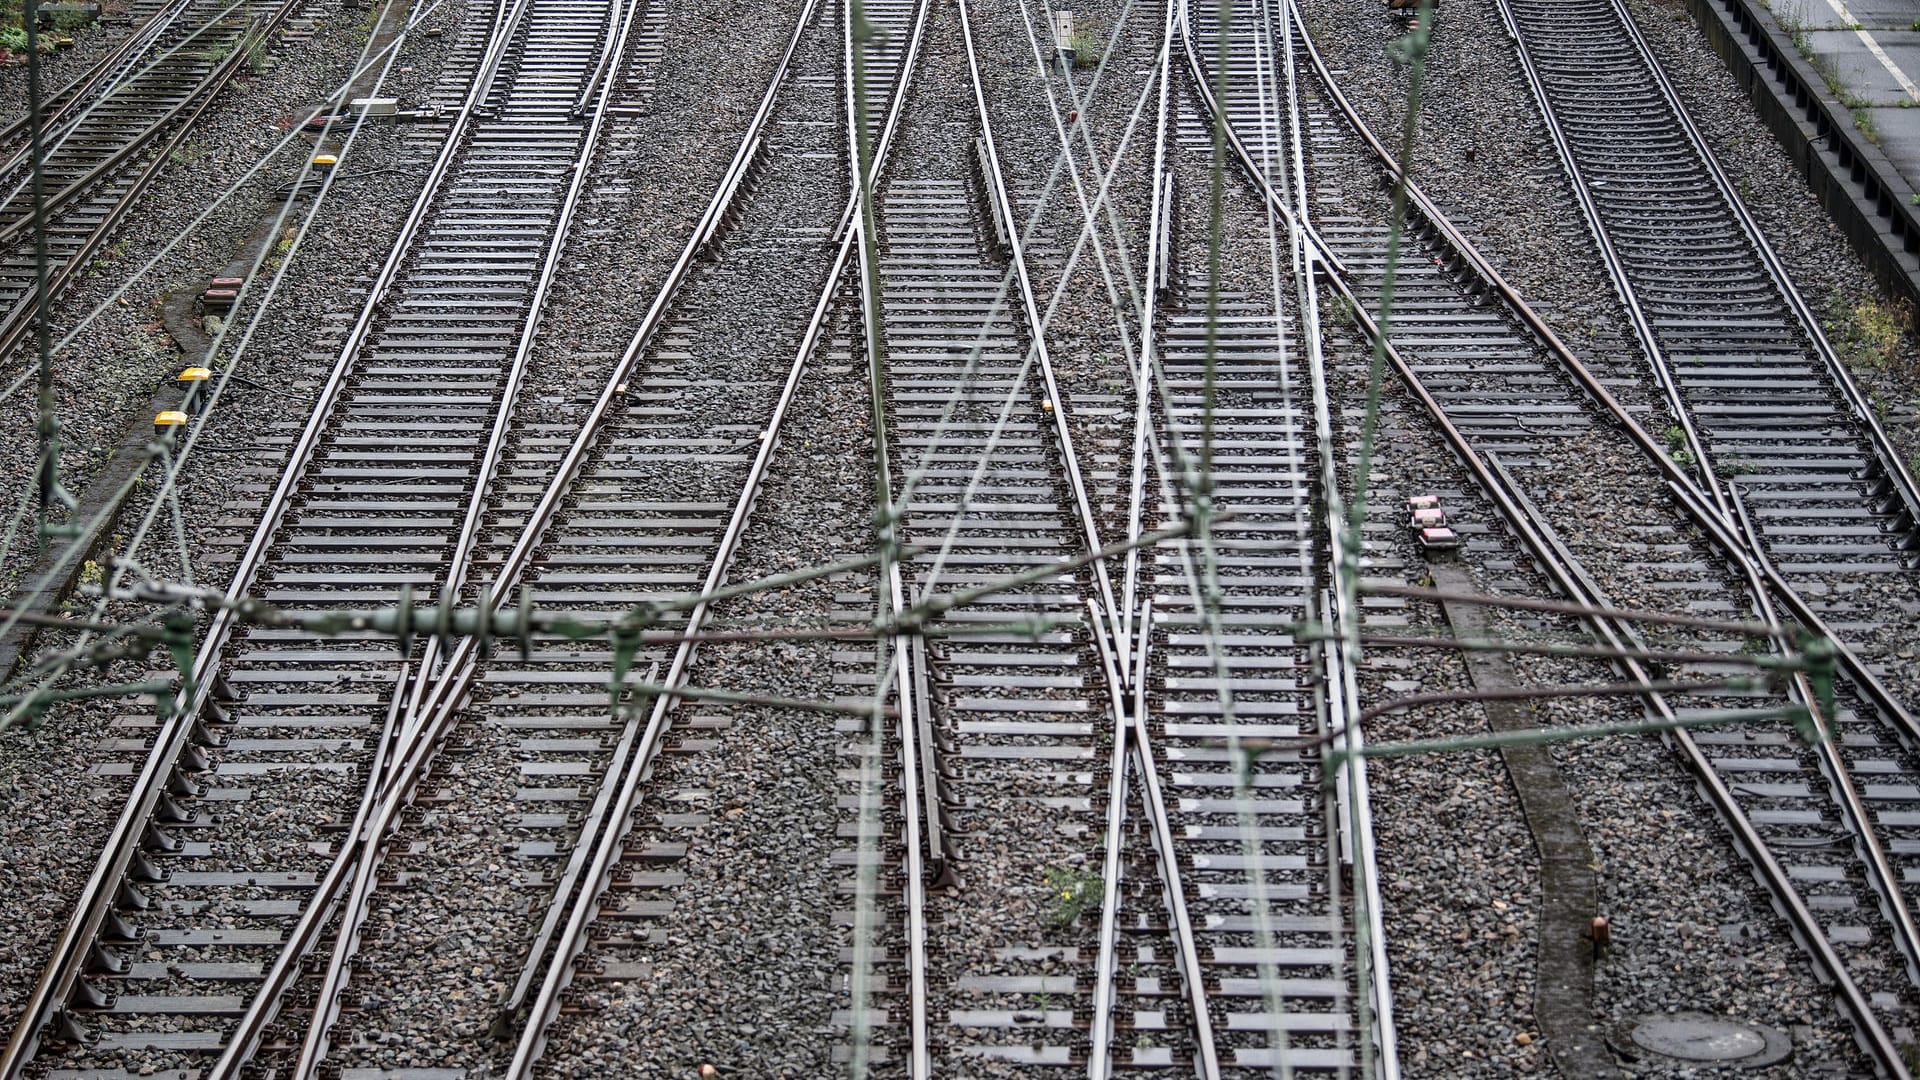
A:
1699	1037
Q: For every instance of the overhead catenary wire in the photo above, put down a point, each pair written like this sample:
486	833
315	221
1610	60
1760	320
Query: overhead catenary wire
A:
173	458
63	563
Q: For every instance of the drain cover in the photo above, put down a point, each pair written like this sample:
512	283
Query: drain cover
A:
1702	1038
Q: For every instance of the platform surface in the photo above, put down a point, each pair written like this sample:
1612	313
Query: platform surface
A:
1869	51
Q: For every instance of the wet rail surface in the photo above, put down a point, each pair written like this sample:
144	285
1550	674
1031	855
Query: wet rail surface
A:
109	139
225	865
1772	401
1497	383
1288	968
1777	424
1013	732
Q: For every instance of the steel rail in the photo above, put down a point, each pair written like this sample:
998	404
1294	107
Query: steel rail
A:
327	1005
1530	527
1883	876
1001	206
590	825
266	1002
1100	1029
95	899
617	823
253	29
1535	534
1889	456
421	738
1159	255
620	19
1036	326
1617	273
1341	657
1109	637
459	671
451	687
1752	562
1133	749
59	106
908	663
1342	704
1872	1034
216	78
472	527
1696	503
570	875
1573	581
1129	731
15	323
1171	885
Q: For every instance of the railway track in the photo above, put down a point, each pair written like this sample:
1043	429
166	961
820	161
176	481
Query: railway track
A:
1766	399
111	134
678	535
1223	944
1779	434
1105	747
601	858
1823	830
205	875
60	106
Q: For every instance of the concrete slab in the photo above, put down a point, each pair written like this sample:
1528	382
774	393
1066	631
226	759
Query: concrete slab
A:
1809	14
1902	47
1873	14
1863	74
1899	131
1859	73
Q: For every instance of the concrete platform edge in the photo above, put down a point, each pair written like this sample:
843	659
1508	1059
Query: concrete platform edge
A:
1853	178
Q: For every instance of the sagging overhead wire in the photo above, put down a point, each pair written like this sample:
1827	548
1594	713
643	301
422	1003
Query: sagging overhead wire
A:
171	458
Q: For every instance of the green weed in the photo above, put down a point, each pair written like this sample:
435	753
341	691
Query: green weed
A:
1677	446
1071	893
1863	119
1869	333
1793	19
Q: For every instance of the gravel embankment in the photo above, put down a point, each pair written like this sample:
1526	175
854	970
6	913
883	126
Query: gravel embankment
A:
741	318
58	801
1506	206
1458	866
62	66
